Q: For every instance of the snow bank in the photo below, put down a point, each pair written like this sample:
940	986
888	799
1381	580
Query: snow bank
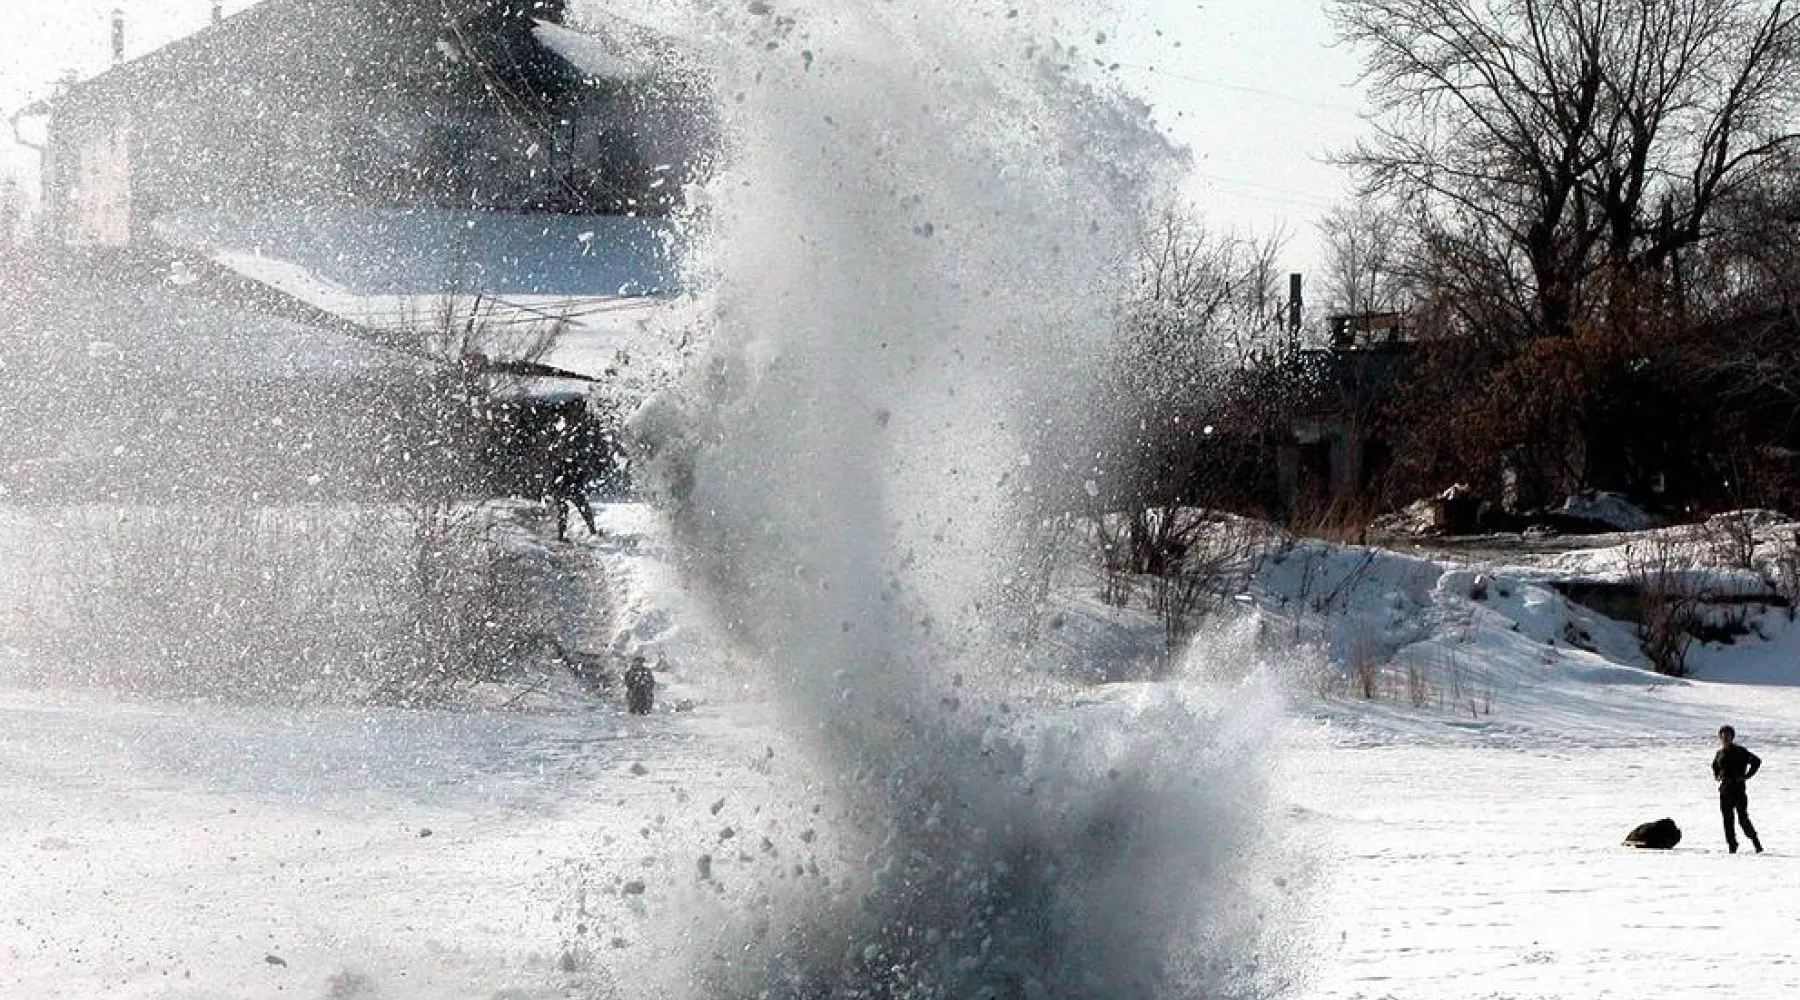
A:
1613	510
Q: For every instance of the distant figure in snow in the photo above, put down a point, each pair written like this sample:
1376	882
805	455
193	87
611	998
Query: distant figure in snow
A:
640	687
1733	766
571	459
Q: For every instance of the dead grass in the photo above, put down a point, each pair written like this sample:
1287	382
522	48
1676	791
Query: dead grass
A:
1418	688
1420	685
1343	521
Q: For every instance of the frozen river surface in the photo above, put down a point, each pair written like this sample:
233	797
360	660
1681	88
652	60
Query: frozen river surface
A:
203	852
164	851
1497	872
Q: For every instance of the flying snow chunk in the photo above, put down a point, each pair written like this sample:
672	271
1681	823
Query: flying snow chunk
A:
588	53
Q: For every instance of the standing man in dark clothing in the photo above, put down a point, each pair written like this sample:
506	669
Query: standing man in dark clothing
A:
571	460
1732	767
640	688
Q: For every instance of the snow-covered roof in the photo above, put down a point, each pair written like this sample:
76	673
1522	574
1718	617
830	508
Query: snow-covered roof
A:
608	279
170	333
428	251
174	323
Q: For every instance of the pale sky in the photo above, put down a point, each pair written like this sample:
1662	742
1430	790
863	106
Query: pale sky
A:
1254	87
1261	95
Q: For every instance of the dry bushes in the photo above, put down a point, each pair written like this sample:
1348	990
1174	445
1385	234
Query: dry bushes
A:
309	603
1192	560
1670	602
1365	672
1419	684
1782	571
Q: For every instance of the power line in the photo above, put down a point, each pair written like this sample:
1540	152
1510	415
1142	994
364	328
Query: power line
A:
1279	195
1240	88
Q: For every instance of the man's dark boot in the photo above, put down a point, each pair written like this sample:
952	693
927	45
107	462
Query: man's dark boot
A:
1731	847
1757	844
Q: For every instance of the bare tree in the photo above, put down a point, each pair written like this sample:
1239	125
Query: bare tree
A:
1549	142
1752	275
1206	306
1365	269
1203	298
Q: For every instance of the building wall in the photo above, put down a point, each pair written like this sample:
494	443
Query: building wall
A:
361	114
91	165
372	141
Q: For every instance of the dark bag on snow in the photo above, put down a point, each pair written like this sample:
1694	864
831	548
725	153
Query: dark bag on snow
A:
1660	835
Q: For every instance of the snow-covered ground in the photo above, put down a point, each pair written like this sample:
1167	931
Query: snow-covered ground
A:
194	851
1461	829
1470	846
1464	870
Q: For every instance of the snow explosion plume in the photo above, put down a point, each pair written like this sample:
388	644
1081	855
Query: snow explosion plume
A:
915	242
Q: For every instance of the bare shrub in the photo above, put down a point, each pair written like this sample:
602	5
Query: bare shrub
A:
1177	598
1418	688
1670	608
1116	587
171	598
468	602
1212	558
457	327
1730	539
1192	560
1173	432
1330	682
1783	570
1365	672
1147	539
1118	561
1035	570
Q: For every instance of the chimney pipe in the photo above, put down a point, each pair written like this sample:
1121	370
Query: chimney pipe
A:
1294	303
218	11
118	36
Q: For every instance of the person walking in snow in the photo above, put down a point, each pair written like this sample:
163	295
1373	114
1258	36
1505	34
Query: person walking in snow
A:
571	452
1733	766
640	688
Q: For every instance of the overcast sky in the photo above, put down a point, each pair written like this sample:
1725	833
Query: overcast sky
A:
1254	87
